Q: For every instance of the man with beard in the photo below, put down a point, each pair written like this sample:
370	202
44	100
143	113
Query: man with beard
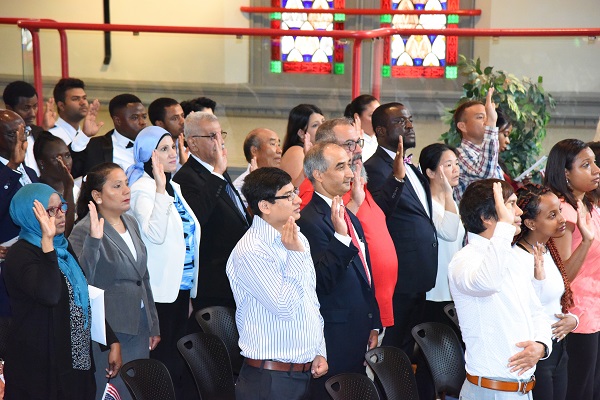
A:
359	200
262	148
403	194
129	118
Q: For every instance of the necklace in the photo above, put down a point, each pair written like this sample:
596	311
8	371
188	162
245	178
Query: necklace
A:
532	247
116	223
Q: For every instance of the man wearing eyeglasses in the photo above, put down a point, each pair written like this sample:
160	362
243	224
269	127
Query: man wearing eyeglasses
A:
342	264
207	188
273	282
13	176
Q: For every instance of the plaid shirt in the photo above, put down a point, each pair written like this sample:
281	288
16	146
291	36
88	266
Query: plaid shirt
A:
478	161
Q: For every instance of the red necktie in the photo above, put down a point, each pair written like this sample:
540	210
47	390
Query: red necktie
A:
355	243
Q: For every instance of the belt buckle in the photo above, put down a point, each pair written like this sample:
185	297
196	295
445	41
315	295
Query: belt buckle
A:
524	389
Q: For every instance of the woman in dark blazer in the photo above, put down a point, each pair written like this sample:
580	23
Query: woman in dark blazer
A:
116	263
49	351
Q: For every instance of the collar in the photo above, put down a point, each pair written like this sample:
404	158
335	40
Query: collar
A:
407	159
265	230
121	140
5	161
327	199
209	167
67	127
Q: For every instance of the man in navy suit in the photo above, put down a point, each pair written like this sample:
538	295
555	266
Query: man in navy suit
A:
207	188
13	176
341	258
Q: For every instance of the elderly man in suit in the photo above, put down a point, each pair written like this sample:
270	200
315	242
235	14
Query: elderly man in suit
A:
341	258
207	188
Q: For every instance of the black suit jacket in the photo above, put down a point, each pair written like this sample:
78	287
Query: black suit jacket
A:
98	150
410	227
348	304
223	225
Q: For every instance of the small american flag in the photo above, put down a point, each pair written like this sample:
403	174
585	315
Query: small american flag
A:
110	392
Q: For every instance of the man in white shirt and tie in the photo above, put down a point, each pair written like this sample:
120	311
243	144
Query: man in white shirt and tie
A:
502	322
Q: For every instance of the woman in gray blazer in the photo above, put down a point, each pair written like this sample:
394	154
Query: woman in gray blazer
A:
116	264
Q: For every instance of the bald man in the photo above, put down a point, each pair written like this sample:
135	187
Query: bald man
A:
262	148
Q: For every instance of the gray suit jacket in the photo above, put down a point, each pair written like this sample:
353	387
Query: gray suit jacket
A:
109	265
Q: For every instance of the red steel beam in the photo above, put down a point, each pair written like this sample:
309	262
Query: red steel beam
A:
355	11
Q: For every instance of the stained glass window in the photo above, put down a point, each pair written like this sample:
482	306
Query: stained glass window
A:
420	56
302	54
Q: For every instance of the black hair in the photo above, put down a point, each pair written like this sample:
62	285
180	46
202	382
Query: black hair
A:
156	109
263	184
379	117
42	141
298	119
460	110
502	120
561	158
431	155
198	104
61	87
251	141
358	105
478	203
17	89
120	101
94	180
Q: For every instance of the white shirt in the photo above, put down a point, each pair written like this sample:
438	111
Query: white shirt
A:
239	182
451	233
24	179
71	136
274	288
29	157
121	154
496	304
370	146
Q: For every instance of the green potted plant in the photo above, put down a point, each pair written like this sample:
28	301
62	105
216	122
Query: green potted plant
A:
523	101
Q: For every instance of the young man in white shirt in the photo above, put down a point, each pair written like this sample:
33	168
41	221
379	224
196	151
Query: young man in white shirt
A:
501	319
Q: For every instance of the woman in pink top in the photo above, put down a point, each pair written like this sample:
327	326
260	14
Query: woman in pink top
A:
571	171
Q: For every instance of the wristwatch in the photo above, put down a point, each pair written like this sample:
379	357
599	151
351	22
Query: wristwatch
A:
546	350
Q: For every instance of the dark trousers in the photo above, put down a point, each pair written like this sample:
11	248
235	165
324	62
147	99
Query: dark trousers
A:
262	384
584	366
551	374
408	312
172	318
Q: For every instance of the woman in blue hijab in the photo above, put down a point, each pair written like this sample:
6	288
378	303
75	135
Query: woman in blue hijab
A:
49	350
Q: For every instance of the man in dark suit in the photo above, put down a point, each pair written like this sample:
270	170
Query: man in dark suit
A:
403	194
207	188
13	176
129	118
341	258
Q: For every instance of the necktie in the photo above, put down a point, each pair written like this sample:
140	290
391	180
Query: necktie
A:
230	191
355	243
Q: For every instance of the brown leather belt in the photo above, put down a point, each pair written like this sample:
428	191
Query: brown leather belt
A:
278	366
523	387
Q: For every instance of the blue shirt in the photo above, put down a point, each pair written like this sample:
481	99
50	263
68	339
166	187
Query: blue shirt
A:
277	312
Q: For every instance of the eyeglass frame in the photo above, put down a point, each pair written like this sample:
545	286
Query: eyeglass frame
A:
15	133
290	196
212	136
52	211
351	144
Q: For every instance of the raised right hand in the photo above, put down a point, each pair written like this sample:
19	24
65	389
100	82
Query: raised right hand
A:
399	168
158	170
289	236
539	273
17	153
337	216
307	143
584	222
90	126
490	109
50	114
504	215
46	223
96	225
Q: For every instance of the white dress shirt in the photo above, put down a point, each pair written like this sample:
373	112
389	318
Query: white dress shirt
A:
121	154
71	136
496	304
370	146
239	182
30	160
24	179
274	288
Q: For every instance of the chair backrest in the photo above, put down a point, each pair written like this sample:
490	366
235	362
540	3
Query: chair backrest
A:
148	379
208	360
394	373
220	321
351	387
450	311
444	355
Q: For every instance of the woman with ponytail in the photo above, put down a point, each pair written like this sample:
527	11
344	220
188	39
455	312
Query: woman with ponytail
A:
534	245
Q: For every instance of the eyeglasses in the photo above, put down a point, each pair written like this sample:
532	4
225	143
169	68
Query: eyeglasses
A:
15	133
289	196
351	144
52	211
212	135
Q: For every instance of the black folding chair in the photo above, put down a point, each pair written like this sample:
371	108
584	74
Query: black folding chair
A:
148	379
351	387
393	372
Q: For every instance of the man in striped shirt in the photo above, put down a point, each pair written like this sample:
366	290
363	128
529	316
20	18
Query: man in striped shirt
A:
273	282
479	148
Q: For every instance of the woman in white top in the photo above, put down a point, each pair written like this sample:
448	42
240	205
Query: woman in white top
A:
439	163
534	246
171	234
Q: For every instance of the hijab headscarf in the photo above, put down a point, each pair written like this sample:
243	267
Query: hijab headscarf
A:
145	143
21	211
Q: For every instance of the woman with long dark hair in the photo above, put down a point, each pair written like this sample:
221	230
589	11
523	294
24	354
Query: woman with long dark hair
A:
571	172
542	223
303	121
